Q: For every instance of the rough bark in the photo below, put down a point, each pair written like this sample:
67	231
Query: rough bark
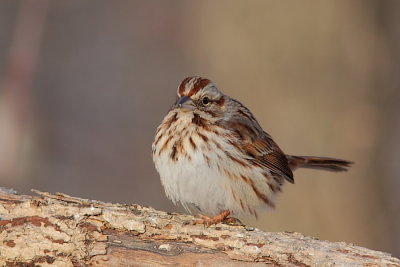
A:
60	230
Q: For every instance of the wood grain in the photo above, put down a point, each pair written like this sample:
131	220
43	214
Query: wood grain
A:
60	230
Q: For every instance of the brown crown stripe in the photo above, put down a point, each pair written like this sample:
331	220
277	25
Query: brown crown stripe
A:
182	86
199	84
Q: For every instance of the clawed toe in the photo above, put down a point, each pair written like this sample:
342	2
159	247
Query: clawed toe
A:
222	217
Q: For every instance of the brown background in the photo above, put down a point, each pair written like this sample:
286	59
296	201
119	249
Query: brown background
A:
84	84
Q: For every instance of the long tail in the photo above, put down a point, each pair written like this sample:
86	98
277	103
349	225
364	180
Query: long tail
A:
322	163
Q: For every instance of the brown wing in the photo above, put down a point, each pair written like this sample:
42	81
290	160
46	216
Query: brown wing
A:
266	153
259	147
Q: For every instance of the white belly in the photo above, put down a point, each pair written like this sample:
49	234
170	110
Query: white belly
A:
194	182
204	176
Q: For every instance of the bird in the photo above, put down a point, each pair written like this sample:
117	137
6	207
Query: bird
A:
212	155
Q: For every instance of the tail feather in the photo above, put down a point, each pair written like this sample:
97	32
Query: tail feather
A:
322	163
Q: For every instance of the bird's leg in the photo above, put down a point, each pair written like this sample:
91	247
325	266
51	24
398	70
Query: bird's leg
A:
214	220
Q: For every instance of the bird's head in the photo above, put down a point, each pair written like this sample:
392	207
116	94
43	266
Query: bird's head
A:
201	96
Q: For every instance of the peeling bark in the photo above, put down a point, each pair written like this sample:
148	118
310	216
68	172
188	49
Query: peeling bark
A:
59	230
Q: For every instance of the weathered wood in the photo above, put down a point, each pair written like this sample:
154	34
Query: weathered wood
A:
60	230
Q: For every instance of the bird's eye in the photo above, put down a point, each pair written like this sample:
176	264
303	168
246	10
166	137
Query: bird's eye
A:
205	101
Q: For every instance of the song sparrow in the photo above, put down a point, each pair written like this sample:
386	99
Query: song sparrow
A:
211	153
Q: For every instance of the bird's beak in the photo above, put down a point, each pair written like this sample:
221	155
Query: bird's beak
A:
185	102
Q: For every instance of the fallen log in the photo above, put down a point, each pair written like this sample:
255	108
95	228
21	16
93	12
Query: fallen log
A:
60	230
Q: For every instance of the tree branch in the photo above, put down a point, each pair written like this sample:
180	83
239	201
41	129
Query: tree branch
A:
60	230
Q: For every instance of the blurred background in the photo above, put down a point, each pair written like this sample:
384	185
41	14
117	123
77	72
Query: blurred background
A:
84	84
